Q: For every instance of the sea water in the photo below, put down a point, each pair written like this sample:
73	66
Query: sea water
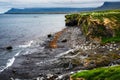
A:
21	31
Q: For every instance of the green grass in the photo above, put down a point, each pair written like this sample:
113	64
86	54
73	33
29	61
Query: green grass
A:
112	39
108	73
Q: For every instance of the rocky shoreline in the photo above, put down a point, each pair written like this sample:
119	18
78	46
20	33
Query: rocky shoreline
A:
45	62
70	54
91	43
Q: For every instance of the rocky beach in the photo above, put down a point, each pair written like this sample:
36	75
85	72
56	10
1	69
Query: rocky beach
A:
78	47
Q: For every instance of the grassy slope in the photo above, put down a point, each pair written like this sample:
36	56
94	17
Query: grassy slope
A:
110	73
100	24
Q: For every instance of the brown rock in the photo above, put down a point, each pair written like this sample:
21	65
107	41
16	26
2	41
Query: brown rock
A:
53	42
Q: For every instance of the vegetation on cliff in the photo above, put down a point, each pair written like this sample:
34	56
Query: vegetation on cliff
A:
101	26
107	73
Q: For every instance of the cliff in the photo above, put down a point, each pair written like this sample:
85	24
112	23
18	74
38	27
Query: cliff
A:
99	26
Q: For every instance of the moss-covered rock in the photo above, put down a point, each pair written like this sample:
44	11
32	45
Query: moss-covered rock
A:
108	73
100	26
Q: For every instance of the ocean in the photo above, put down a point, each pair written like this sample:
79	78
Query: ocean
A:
23	32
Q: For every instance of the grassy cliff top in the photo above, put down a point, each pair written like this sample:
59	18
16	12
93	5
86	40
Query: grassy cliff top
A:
101	15
108	73
110	14
102	25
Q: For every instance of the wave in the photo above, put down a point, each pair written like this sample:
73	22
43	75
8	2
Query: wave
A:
26	45
59	55
26	53
9	62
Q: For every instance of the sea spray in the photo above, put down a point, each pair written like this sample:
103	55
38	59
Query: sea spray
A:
9	62
26	45
71	50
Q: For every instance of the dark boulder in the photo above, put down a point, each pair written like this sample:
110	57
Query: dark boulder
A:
49	35
9	48
65	40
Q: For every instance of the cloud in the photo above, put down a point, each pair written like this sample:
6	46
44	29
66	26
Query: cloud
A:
51	3
44	3
7	4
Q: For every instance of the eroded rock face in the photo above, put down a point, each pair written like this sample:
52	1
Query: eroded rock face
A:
72	20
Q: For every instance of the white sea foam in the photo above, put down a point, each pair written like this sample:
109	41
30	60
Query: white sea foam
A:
9	63
60	77
26	45
2	68
26	53
71	50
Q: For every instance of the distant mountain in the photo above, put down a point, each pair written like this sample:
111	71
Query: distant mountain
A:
109	5
46	10
105	6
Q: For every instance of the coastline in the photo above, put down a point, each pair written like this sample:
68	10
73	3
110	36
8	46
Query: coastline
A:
70	50
57	63
25	63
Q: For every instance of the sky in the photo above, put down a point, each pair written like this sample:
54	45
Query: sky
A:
5	5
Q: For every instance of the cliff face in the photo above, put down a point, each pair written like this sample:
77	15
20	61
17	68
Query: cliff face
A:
101	26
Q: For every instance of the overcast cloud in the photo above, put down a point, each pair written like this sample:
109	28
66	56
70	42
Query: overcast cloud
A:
7	4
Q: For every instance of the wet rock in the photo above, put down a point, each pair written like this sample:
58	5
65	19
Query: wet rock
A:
58	73
66	77
9	48
39	78
49	35
12	78
64	40
51	77
14	71
70	65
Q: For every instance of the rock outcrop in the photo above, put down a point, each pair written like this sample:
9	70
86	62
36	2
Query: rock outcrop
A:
99	26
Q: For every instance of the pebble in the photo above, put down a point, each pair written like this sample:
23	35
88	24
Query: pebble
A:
11	78
49	76
110	49
117	49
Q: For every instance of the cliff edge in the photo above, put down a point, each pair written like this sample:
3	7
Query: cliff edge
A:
98	26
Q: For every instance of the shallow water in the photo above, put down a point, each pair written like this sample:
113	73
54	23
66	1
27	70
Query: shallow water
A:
22	31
